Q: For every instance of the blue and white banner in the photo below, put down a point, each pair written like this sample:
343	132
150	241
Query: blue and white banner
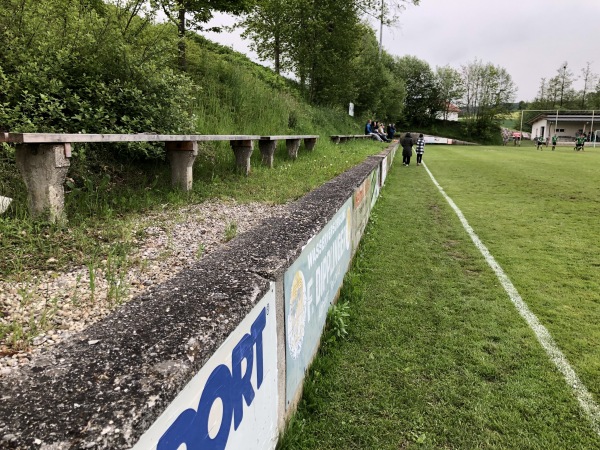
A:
232	402
310	285
384	170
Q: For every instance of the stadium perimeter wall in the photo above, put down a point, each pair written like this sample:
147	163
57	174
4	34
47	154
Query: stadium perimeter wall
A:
214	358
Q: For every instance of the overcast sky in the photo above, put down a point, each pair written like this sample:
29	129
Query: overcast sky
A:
529	38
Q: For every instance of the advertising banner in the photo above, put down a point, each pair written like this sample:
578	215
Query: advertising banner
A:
435	140
310	286
375	186
384	170
363	199
231	403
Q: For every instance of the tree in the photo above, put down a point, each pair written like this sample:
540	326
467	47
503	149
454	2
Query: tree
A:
422	102
392	91
368	70
193	14
323	43
541	97
450	87
269	27
589	80
554	90
387	12
326	46
380	92
594	97
565	78
88	66
488	91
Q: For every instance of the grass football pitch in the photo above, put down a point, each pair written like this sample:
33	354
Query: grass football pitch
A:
436	355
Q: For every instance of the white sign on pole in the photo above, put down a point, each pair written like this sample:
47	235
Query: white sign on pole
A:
4	203
351	109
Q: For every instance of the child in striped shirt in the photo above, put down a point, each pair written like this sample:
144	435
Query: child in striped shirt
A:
420	149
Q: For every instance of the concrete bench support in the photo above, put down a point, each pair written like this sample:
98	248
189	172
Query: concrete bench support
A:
342	138
267	150
44	168
243	151
181	156
310	143
43	158
292	147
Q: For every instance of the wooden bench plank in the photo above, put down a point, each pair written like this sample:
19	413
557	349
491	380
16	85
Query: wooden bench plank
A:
280	138
43	158
351	136
58	138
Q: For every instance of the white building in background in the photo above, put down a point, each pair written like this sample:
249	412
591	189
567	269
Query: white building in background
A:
451	115
566	126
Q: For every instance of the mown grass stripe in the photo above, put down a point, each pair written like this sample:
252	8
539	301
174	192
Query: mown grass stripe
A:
587	403
435	357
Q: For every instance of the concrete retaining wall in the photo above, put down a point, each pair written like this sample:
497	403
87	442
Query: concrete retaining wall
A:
212	359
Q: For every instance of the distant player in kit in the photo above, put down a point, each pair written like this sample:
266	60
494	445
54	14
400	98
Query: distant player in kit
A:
539	141
554	140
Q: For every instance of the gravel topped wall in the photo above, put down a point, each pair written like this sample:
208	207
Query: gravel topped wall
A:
104	387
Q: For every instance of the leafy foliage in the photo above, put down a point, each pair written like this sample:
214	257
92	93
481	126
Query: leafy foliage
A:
488	92
77	66
450	87
193	14
269	29
324	44
422	102
558	92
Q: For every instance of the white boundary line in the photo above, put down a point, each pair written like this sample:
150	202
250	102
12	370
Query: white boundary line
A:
587	403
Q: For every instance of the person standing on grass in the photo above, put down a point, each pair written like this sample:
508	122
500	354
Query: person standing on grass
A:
420	149
579	143
554	140
407	145
539	141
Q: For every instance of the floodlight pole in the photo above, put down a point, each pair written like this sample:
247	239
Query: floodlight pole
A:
521	131
381	29
592	128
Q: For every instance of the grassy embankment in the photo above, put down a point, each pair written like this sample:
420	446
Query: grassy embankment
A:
437	356
236	97
106	192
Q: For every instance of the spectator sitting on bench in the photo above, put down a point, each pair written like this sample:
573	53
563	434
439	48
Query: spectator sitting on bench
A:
381	132
370	132
391	131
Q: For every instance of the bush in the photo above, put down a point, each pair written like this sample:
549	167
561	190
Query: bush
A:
67	68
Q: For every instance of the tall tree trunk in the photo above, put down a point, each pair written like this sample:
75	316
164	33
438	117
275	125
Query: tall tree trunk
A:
181	35
277	55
